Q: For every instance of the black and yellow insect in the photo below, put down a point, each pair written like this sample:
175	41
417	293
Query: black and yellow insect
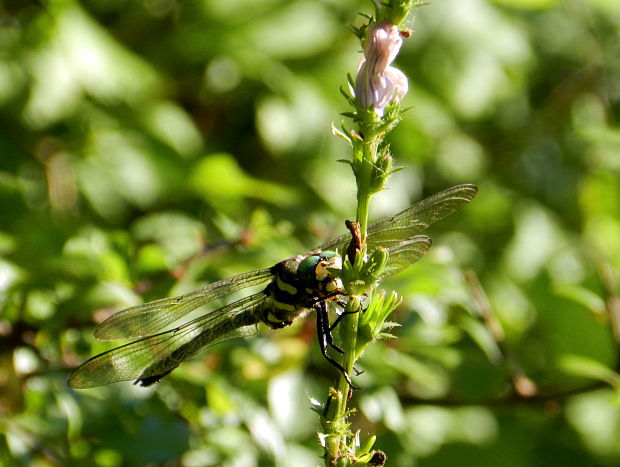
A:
296	286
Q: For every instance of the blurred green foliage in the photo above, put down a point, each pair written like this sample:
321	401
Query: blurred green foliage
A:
149	147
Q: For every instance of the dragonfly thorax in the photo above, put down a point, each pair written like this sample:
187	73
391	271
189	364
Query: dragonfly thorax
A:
299	284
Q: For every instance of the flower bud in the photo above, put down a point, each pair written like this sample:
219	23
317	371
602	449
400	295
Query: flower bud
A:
376	82
381	171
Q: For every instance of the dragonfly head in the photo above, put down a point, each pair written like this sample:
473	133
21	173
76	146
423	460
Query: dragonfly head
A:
314	274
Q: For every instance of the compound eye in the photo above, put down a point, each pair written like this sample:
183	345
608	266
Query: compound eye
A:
328	254
307	270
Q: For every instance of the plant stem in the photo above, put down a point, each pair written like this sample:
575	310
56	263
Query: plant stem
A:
363	180
335	425
335	420
377	90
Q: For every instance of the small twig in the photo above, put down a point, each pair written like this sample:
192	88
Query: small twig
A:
507	401
521	383
355	244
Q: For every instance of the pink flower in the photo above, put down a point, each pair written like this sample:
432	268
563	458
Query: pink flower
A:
376	82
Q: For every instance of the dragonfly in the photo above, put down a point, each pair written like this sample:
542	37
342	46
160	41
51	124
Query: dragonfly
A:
294	287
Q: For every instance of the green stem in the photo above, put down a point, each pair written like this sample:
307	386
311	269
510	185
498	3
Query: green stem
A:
364	179
371	164
350	331
363	205
335	424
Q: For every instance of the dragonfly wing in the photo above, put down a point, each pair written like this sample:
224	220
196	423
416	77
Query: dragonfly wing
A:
149	318
339	243
404	254
392	230
149	359
417	218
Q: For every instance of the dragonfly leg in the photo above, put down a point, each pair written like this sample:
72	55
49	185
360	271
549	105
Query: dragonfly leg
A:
321	302
340	316
333	326
325	337
341	303
336	348
327	329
